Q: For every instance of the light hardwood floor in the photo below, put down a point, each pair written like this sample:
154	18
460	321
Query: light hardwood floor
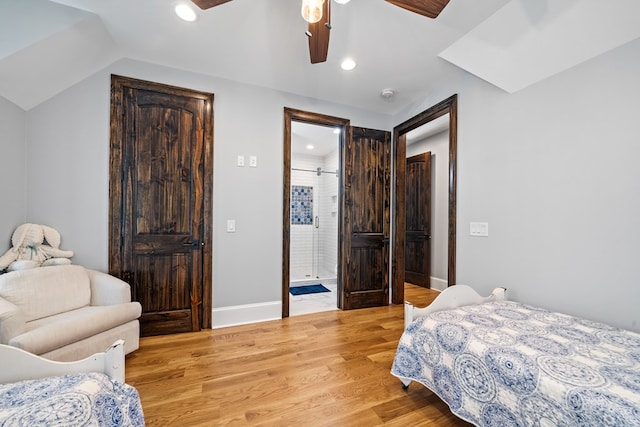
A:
323	369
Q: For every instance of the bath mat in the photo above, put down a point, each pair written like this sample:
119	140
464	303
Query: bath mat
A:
308	289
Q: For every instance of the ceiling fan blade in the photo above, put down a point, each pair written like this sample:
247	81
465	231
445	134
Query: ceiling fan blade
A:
207	4
319	35
428	8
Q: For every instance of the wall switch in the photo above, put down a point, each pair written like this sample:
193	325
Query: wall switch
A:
480	229
253	161
231	226
240	161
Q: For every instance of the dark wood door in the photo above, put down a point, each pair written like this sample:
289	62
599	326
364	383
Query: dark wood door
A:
160	202
417	254
364	264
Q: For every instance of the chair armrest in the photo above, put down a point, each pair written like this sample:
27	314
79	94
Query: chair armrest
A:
107	289
12	321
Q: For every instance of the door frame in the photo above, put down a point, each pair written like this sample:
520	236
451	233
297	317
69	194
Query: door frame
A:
447	106
291	114
118	87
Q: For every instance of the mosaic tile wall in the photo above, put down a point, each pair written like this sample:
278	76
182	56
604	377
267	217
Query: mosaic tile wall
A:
301	205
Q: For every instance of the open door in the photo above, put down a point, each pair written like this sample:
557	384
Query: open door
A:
417	258
364	264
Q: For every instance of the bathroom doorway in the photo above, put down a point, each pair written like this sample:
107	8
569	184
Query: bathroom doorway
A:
313	260
312	203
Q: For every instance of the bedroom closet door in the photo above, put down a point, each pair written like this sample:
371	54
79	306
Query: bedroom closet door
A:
417	258
160	202
364	264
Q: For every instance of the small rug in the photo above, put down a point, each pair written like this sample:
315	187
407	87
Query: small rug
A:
308	289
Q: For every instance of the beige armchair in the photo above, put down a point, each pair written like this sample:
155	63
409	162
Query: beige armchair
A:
66	312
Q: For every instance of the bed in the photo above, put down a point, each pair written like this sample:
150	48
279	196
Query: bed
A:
498	362
91	392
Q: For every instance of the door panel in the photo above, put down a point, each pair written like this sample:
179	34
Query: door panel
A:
418	220
366	219
160	183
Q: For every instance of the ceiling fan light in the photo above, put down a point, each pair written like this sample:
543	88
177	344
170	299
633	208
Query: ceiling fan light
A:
312	10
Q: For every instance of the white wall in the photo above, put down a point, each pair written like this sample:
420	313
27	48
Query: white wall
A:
68	152
13	173
554	171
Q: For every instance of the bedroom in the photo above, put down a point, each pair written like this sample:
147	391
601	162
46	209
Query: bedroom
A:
551	168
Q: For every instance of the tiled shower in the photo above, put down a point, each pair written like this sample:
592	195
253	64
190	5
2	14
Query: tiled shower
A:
314	219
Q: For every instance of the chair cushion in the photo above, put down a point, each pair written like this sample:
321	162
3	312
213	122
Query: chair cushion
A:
56	331
45	291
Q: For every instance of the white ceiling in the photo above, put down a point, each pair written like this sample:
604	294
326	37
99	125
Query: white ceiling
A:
323	139
48	45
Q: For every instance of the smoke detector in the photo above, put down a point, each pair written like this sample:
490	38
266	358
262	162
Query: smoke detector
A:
387	93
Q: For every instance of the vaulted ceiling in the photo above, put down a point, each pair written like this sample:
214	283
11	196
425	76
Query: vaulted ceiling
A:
48	45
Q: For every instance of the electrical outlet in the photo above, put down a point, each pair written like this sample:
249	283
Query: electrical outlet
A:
253	161
240	161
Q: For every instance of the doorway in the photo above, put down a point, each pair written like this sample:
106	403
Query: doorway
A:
295	267
363	212
160	190
439	119
314	219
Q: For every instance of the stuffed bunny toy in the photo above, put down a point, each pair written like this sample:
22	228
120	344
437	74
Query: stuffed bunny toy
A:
29	249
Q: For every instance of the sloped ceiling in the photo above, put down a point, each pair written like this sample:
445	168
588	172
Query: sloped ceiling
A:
46	46
527	41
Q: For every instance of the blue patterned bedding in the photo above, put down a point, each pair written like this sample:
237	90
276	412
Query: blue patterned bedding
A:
503	363
70	400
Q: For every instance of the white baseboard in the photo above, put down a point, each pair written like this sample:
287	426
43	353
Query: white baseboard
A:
244	314
438	284
265	311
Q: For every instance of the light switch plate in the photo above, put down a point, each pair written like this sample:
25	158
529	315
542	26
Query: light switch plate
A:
231	226
479	229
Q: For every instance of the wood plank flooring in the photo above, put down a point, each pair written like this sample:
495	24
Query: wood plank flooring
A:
323	369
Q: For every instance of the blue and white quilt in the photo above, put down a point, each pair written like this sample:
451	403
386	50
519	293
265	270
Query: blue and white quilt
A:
91	399
507	364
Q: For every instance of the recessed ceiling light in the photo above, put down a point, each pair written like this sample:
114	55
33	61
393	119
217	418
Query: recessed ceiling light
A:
310	147
348	64
186	12
342	1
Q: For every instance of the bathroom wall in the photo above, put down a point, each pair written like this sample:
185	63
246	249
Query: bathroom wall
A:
328	212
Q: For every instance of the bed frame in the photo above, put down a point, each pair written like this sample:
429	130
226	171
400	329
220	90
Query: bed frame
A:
27	366
452	297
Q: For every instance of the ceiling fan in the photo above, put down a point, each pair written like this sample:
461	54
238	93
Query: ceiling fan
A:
318	14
